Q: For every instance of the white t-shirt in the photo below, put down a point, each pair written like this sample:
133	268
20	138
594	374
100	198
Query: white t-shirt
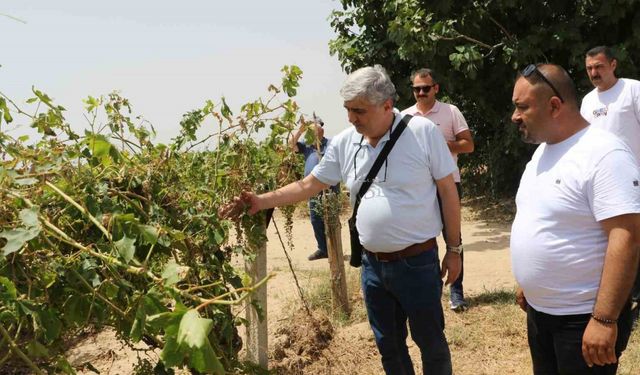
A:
400	208
449	120
616	110
557	243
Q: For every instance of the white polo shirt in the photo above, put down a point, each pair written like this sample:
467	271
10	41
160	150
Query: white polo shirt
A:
400	208
558	245
448	119
616	110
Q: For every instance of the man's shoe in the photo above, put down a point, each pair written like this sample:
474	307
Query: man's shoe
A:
318	255
458	305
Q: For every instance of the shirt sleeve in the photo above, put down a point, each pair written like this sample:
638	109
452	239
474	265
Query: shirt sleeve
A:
636	101
328	171
459	123
440	159
614	185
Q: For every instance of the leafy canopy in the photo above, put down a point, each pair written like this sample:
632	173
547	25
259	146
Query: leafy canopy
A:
476	48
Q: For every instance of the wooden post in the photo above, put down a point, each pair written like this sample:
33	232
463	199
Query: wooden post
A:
333	229
257	334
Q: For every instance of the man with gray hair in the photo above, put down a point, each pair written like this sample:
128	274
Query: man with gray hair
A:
397	220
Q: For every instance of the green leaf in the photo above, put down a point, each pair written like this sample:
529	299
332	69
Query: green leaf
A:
37	350
194	330
225	110
219	235
7	290
164	240
137	327
171	354
102	149
126	248
109	289
50	323
26	181
64	366
193	334
7	117
174	272
99	146
205	360
246	280
149	305
149	233
76	310
29	217
16	238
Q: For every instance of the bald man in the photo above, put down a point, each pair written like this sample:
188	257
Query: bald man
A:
573	237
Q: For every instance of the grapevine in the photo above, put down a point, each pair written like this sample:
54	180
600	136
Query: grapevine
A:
106	228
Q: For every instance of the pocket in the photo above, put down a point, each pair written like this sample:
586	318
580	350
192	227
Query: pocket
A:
424	260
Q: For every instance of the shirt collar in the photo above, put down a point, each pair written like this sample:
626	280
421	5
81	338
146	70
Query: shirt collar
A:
434	109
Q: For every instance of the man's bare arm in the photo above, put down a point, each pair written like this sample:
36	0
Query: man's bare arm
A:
450	209
292	193
618	275
293	141
451	263
463	143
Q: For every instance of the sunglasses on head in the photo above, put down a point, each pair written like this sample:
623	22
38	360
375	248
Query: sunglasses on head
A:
532	68
424	89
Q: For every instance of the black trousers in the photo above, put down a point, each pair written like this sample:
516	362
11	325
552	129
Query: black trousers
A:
555	342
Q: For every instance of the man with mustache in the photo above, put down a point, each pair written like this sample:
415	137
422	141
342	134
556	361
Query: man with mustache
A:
614	105
575	234
456	132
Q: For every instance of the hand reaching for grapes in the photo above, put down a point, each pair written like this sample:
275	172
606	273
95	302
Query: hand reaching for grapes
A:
237	206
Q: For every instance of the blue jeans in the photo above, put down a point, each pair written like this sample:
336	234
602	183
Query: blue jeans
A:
410	289
555	342
315	212
457	294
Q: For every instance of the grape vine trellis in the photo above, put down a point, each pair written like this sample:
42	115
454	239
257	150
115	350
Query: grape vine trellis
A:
107	228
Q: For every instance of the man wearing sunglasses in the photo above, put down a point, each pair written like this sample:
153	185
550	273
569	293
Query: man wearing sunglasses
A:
614	105
397	218
574	237
456	132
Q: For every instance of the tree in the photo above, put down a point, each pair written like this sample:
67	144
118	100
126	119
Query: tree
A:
477	47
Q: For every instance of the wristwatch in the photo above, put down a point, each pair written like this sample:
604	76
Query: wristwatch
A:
455	249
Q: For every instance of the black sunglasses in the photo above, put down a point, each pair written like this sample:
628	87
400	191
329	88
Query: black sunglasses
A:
424	89
532	68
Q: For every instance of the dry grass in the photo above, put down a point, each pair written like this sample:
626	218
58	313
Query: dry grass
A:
489	338
489	209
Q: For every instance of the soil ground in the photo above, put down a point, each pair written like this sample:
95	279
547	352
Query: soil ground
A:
352	349
478	337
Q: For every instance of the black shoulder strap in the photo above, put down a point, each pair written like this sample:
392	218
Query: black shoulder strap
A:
379	160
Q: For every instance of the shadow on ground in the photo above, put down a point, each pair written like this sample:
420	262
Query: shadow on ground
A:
493	297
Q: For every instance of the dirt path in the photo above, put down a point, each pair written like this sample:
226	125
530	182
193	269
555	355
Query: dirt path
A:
487	261
352	349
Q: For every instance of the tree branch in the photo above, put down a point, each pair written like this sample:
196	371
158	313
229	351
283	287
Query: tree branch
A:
504	30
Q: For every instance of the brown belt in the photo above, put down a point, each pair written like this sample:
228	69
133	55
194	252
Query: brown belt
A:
410	251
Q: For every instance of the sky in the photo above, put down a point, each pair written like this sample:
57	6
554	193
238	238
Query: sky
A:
168	57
